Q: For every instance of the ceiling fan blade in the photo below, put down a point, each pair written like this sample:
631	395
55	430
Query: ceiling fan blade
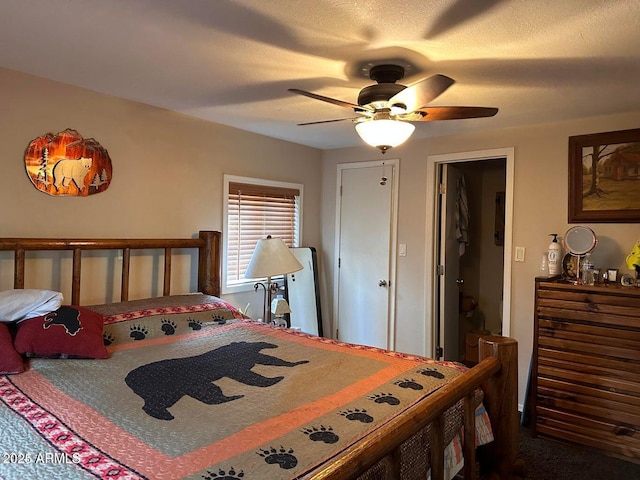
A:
455	113
335	101
419	94
327	121
459	13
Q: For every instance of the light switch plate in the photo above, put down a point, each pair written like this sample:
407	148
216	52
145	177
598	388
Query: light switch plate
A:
519	257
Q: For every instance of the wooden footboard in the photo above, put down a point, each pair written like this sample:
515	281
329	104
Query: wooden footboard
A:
207	243
496	374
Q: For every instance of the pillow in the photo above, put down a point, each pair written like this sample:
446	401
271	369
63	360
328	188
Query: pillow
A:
68	332
10	360
20	304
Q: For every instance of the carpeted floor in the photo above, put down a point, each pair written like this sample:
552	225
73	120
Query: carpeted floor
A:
550	460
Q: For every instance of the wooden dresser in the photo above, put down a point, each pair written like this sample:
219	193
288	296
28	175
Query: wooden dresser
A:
585	373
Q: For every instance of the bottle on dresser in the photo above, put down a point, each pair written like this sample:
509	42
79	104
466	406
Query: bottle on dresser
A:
554	256
587	270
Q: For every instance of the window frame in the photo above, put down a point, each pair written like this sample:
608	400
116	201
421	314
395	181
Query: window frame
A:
247	285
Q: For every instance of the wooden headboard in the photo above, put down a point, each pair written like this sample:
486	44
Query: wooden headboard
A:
207	243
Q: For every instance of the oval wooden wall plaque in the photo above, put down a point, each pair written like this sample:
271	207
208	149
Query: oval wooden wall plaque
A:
65	163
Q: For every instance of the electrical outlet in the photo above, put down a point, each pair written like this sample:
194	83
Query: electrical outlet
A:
519	257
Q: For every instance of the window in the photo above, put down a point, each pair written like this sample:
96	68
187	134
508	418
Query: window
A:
256	208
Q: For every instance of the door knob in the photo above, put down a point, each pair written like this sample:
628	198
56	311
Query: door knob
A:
382	283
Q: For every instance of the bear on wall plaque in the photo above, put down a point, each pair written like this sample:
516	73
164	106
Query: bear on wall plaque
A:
68	164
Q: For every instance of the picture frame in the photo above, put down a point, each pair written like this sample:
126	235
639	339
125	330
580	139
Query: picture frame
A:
613	194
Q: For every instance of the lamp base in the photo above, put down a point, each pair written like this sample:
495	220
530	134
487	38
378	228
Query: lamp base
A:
269	289
279	321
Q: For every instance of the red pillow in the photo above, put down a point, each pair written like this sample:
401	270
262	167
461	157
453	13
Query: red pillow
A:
69	332
10	360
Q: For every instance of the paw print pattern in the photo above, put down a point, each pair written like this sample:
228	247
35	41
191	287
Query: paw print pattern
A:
107	338
217	319
321	434
282	457
168	326
408	383
387	398
138	332
357	414
431	372
195	324
224	475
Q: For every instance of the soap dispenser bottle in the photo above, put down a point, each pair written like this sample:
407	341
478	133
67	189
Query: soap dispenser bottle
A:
554	254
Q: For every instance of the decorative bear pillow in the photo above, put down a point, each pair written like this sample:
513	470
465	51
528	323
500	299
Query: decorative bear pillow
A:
10	360
68	332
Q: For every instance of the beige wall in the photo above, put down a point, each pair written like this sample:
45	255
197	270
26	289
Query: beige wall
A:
482	263
540	208
490	281
167	168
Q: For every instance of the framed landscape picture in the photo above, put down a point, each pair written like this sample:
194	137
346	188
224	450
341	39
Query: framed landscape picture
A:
604	177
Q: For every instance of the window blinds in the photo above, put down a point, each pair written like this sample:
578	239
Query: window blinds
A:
255	211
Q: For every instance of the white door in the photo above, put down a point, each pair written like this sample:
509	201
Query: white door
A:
365	251
449	281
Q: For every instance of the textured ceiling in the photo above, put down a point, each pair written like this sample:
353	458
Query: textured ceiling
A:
232	62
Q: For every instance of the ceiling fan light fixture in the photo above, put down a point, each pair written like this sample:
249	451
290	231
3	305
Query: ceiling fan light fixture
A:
385	133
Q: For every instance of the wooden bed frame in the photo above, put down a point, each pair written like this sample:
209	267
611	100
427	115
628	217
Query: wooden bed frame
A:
496	373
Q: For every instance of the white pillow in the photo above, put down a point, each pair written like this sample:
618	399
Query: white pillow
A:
20	304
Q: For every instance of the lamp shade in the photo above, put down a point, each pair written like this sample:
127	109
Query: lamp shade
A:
384	133
270	258
279	306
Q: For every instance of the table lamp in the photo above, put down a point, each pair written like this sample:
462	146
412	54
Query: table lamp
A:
270	258
279	307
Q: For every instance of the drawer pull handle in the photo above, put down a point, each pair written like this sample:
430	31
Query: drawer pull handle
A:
591	306
622	430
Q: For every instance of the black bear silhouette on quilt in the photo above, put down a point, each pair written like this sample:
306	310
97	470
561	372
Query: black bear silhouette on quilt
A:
161	384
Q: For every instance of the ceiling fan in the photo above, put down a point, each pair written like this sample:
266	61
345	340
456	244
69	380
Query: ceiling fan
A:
386	109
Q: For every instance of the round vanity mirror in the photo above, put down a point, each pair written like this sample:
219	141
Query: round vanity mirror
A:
580	240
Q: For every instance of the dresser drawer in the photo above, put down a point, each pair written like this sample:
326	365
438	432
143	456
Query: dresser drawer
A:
560	394
590	366
609	437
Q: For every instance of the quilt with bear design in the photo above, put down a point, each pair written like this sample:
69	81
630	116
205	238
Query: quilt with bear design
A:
194	391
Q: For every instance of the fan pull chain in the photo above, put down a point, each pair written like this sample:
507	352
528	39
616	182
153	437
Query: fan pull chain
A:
383	179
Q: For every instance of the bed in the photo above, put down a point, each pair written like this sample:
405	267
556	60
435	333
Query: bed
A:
185	386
